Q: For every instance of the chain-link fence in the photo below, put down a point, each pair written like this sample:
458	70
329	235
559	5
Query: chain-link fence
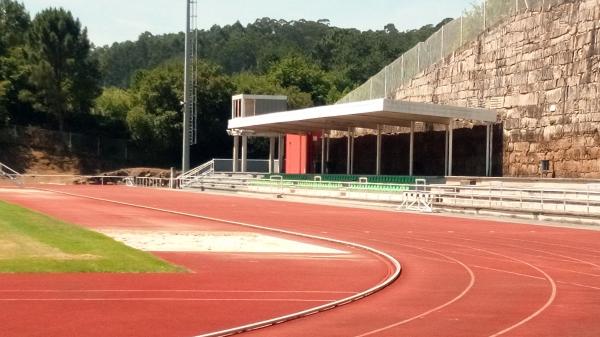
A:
482	15
54	141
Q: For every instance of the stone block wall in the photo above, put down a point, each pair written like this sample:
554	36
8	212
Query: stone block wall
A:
541	70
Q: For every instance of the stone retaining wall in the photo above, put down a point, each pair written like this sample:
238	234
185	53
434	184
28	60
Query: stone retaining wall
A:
541	70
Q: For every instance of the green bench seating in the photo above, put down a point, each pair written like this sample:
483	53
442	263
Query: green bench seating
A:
337	181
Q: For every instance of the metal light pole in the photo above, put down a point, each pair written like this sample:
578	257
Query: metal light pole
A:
185	162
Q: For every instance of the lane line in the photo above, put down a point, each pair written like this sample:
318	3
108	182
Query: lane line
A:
509	272
579	285
458	297
162	299
548	278
596	253
178	291
565	257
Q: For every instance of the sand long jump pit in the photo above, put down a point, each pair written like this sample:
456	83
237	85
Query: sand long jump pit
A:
217	242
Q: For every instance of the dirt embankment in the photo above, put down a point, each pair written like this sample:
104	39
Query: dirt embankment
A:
42	166
29	160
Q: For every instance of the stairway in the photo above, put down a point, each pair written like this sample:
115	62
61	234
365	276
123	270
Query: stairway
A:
223	182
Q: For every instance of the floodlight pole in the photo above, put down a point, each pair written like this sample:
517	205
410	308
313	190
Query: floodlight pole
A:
185	162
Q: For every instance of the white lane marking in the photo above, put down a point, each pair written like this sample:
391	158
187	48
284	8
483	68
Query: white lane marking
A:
178	291
509	272
589	250
565	257
124	299
579	285
547	267
547	277
461	295
541	309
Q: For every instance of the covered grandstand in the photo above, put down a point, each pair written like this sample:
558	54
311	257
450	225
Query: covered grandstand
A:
373	114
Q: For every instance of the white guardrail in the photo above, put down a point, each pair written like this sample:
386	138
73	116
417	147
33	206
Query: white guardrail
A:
193	175
585	201
10	174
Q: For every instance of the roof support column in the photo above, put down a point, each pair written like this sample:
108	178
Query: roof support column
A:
327	153
271	155
411	160
490	149
350	154
450	146
236	153
446	151
378	162
323	136
487	150
280	151
244	153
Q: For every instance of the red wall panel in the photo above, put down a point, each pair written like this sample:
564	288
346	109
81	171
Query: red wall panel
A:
296	154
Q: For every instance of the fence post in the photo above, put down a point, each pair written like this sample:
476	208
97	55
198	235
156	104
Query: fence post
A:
171	181
442	43
484	14
385	82
419	57
461	29
402	71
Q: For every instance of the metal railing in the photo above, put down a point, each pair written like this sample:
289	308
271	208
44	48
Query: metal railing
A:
483	15
584	202
11	174
72	179
154	182
544	200
189	177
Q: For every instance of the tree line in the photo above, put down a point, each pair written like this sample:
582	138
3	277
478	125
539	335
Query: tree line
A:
51	75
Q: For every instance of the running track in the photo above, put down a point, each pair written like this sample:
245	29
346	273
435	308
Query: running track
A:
460	277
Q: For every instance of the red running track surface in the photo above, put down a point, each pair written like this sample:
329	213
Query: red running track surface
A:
461	277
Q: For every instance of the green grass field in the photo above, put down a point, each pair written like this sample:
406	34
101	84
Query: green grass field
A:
31	242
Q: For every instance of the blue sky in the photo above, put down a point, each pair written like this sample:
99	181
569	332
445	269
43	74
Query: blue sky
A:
111	21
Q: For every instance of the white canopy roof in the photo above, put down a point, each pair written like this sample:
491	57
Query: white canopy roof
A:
364	114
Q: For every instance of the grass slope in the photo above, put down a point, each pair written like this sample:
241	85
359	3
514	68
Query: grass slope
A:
31	242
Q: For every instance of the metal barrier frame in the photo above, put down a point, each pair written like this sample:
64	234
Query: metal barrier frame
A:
11	174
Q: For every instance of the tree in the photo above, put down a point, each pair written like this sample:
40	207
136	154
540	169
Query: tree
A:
14	22
65	77
155	121
350	53
297	71
114	103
